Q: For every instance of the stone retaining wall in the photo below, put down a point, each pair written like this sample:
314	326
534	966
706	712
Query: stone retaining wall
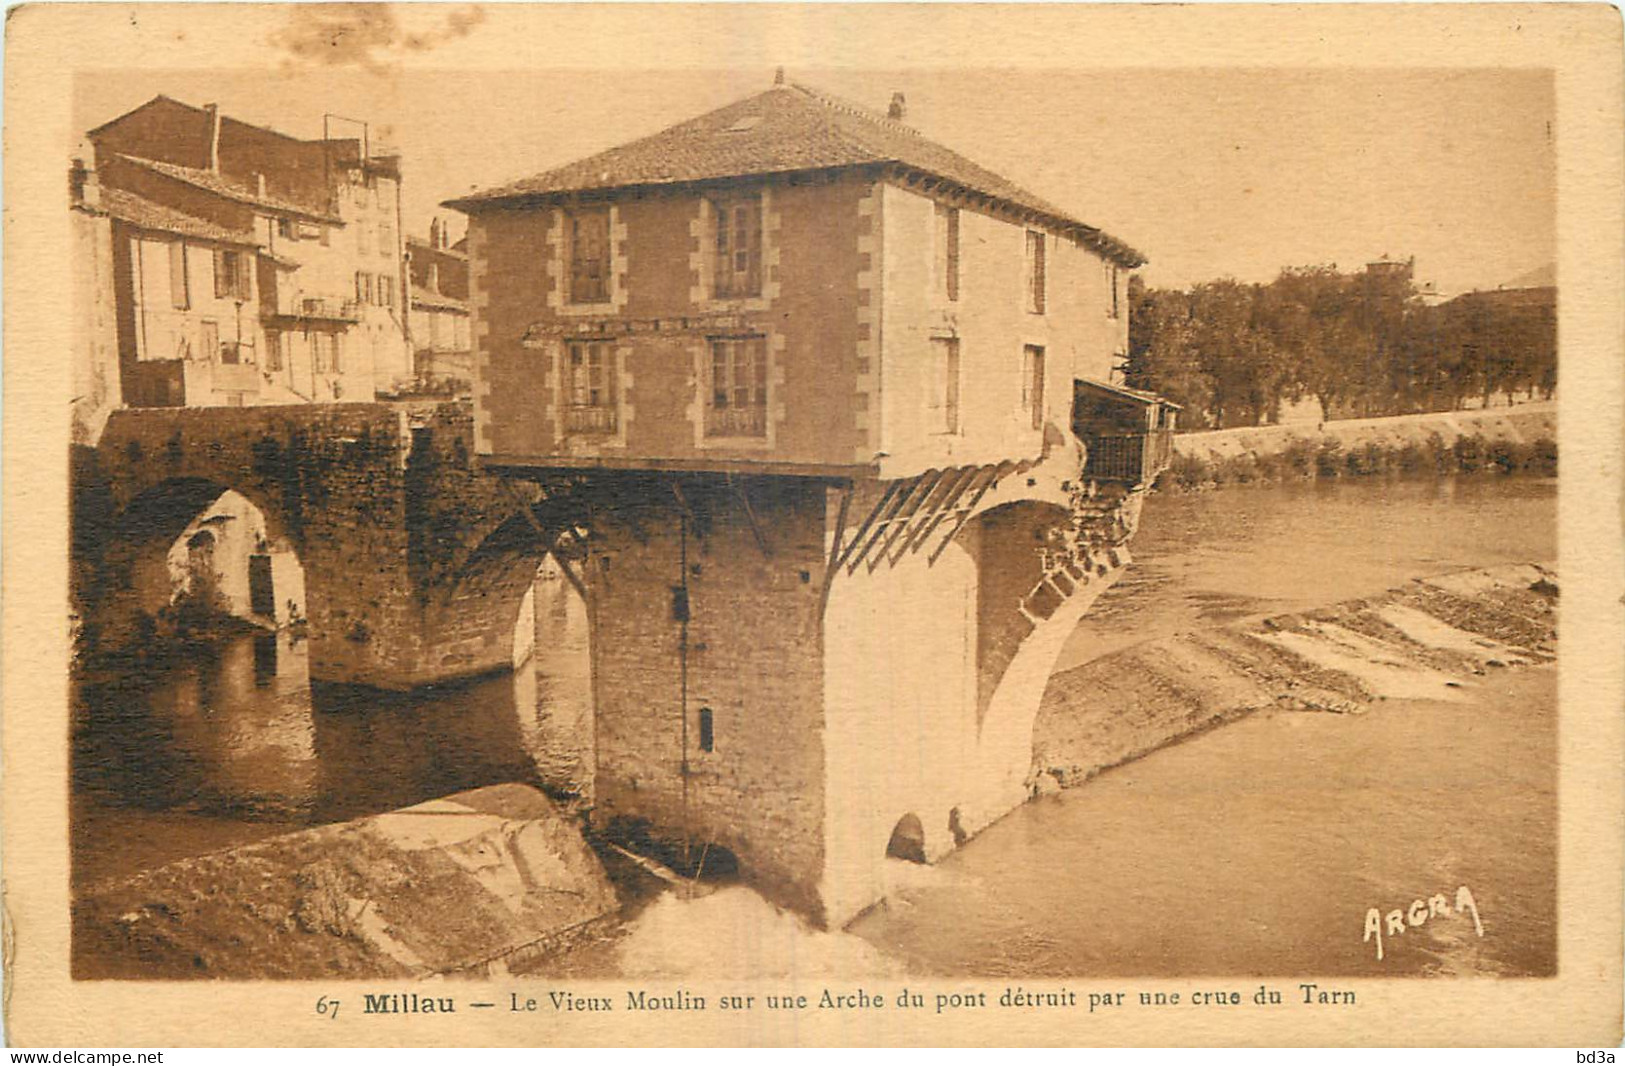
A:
1522	424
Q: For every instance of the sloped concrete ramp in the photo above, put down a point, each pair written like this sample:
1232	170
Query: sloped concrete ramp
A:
454	885
1425	640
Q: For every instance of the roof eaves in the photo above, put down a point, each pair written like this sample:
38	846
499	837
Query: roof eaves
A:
194	178
518	198
1103	242
116	119
133	210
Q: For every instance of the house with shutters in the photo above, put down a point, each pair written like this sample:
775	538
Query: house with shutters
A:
815	400
442	355
788	284
250	267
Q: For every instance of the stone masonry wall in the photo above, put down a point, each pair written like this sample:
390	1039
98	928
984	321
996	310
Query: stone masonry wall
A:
328	480
1526	422
754	658
415	562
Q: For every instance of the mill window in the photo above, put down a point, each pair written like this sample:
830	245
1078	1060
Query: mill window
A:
944	402
1032	384
591	400
180	290
737	405
230	275
589	256
1035	272
738	247
708	738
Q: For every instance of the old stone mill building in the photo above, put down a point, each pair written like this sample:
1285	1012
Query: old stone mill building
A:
814	416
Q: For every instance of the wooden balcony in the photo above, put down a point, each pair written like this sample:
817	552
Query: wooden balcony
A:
315	308
1131	458
1128	433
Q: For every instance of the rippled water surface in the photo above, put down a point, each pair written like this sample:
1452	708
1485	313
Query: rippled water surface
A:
1255	848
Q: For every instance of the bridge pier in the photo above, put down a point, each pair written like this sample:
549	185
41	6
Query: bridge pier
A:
811	673
798	674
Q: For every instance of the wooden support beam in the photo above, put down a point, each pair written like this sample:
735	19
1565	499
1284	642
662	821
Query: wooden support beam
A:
863	530
899	501
549	541
944	507
899	521
682	501
994	474
883	513
750	515
904	531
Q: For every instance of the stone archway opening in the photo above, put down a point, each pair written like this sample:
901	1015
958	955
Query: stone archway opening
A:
560	660
193	555
227	564
907	840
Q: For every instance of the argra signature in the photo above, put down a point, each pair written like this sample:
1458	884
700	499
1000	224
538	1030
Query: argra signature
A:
1418	914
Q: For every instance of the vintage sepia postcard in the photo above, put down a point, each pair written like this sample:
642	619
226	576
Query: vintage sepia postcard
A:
830	524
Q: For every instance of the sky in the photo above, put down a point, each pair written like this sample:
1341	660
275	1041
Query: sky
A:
1210	173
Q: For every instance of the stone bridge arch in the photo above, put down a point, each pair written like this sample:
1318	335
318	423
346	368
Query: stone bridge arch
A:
142	585
470	613
382	504
937	655
1028	610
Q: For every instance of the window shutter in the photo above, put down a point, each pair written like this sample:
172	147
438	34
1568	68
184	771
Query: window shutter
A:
180	295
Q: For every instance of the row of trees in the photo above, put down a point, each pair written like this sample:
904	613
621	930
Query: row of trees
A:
1363	344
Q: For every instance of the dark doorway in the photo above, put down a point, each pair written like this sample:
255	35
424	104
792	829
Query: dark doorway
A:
261	589
907	840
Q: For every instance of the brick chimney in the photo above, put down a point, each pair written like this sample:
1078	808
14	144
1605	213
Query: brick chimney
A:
212	117
84	191
898	108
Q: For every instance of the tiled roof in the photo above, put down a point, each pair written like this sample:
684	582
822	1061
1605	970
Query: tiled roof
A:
1138	395
434	301
788	128
212	182
280	260
453	252
139	211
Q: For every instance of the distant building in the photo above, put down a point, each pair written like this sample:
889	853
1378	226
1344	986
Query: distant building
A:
1431	295
442	356
250	267
97	389
1392	268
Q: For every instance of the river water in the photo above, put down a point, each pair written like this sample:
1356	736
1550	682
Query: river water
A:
231	744
1258	849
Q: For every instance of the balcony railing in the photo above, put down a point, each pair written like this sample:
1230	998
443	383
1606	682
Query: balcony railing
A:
1134	458
589	418
319	307
750	421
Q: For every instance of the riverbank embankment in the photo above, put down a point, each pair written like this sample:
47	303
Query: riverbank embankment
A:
1413	642
1520	439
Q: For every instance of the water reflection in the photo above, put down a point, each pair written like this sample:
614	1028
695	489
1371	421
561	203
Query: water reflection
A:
230	742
